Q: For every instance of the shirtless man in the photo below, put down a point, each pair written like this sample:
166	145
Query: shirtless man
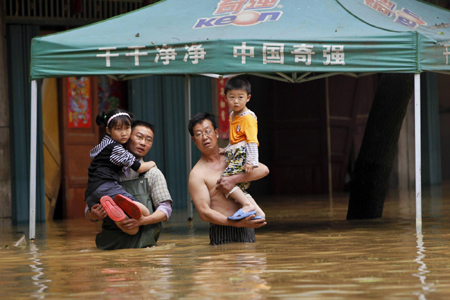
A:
207	189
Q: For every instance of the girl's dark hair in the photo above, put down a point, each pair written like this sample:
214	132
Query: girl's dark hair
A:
103	117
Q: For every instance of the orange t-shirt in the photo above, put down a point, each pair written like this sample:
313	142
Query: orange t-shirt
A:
244	128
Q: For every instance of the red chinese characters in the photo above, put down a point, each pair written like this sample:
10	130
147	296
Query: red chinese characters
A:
229	6
261	4
235	6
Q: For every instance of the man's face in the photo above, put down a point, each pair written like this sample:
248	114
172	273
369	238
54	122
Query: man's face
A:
205	137
141	141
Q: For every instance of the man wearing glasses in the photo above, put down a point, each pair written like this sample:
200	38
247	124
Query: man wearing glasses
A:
207	189
112	237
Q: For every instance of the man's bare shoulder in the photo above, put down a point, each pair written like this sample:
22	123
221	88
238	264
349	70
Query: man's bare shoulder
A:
197	171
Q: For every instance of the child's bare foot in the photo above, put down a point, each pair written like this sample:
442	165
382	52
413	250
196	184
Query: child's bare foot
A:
248	207
260	213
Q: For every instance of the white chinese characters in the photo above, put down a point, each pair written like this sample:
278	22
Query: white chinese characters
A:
164	54
446	53
194	52
303	53
265	53
274	53
242	52
334	55
108	54
136	53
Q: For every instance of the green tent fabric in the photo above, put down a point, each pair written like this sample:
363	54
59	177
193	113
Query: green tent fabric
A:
252	36
286	40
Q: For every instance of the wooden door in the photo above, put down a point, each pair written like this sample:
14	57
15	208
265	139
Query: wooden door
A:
342	114
79	134
349	100
52	154
299	138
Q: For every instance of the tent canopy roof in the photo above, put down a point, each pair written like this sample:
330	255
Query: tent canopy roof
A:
252	36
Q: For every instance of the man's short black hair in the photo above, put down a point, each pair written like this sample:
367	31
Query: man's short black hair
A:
144	124
238	83
199	118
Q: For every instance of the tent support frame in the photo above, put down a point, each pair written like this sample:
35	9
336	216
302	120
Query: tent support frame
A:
418	153
302	78
33	154
187	98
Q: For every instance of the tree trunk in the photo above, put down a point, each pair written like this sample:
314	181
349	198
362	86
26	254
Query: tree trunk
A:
370	177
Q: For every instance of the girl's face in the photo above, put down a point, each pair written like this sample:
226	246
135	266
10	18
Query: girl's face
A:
120	132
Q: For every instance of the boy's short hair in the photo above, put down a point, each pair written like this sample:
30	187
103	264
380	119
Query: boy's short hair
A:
199	118
238	83
144	124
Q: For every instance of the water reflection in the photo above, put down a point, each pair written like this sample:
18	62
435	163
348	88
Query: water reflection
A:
426	287
307	251
38	279
229	275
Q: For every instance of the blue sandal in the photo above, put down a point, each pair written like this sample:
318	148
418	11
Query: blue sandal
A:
239	215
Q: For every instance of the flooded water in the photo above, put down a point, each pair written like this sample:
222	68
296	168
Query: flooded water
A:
307	251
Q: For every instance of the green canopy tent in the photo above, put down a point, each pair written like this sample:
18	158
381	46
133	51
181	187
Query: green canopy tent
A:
288	40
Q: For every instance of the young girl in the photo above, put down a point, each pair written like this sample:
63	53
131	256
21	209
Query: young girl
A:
108	159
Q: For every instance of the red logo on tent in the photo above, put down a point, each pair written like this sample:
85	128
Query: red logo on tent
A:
241	13
403	16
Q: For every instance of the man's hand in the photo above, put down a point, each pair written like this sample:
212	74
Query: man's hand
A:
225	184
97	212
130	223
249	223
248	168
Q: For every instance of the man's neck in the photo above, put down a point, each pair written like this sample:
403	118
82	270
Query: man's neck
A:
214	156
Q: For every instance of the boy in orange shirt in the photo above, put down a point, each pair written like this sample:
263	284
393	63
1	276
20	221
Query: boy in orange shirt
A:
242	151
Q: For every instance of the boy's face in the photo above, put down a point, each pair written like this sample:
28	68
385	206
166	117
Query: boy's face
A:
237	99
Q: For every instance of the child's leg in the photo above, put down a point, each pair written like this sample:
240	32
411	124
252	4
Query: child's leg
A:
131	206
235	159
144	209
259	211
240	197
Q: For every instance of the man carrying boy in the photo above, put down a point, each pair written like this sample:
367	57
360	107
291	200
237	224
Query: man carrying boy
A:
209	200
112	237
242	151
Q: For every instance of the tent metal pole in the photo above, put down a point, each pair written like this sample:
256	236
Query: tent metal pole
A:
418	152
187	90
33	145
330	172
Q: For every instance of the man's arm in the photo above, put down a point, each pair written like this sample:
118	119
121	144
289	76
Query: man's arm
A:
156	217
225	184
202	201
161	198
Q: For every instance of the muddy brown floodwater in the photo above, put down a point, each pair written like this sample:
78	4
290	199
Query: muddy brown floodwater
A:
307	251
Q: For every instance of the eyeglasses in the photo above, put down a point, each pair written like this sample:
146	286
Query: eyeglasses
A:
207	133
141	138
